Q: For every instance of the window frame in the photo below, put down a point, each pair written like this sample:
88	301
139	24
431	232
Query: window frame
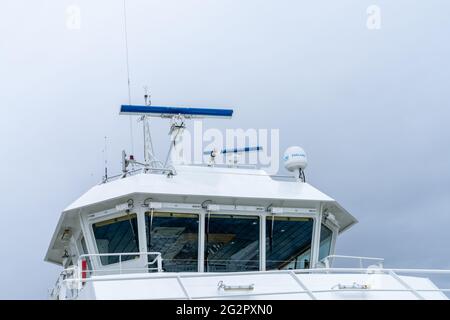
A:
313	217
201	222
233	213
329	226
334	234
176	211
112	216
92	217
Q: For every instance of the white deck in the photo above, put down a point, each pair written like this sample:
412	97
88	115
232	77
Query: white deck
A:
289	284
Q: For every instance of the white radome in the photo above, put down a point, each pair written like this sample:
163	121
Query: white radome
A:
295	158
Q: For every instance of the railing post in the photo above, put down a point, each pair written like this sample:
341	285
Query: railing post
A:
79	269
327	263
406	285
303	286
183	288
159	262
120	263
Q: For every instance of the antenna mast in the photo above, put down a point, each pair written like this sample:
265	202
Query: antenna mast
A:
128	70
177	115
105	154
149	156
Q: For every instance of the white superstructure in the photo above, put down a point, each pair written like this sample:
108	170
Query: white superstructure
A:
171	231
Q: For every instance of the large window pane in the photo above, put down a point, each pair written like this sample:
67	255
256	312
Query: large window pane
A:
175	235
232	243
325	242
288	242
117	235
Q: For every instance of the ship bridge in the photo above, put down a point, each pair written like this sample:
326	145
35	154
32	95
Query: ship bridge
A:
203	219
167	230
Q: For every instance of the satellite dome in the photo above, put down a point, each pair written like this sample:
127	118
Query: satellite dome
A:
295	159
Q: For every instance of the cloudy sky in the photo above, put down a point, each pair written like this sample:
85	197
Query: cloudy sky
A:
370	106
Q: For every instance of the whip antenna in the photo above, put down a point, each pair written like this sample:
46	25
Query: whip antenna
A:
128	70
105	154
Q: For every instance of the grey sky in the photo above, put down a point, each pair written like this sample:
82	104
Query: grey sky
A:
370	107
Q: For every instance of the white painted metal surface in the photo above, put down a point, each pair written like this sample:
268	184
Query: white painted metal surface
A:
241	188
139	279
205	182
283	284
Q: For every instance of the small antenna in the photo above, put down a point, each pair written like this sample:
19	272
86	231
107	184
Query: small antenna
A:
125	163
147	97
234	151
105	154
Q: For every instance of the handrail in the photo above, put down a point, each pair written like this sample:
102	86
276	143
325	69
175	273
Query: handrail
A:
157	259
164	275
406	285
146	170
304	289
303	286
71	280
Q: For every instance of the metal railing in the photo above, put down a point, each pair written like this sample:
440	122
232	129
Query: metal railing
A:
117	267
68	273
303	289
149	169
72	280
133	172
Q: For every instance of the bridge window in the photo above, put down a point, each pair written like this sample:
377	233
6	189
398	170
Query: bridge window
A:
288	242
175	235
84	250
232	243
119	235
325	242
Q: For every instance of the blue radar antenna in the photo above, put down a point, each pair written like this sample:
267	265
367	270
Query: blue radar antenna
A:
177	116
170	112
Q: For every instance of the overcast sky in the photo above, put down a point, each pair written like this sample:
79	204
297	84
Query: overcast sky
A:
371	107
